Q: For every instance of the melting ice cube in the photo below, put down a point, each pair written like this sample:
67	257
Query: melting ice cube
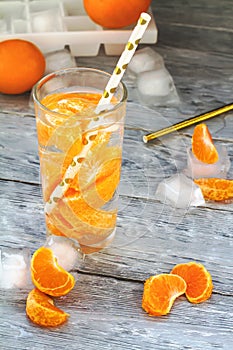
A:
157	88
144	60
57	60
66	253
14	268
180	192
197	169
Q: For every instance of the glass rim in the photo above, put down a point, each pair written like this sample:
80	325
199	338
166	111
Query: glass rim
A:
61	72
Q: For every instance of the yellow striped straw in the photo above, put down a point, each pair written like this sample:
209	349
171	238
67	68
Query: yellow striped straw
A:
185	123
123	61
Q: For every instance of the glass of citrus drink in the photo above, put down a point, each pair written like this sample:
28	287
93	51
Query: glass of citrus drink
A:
80	154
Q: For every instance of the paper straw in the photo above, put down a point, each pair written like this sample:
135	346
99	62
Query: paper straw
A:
188	122
123	61
72	170
105	99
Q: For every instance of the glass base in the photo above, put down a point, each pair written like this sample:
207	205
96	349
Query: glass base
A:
83	249
94	248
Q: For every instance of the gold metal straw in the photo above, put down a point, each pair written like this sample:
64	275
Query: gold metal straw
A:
188	122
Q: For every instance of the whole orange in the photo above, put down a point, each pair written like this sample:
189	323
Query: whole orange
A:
22	64
115	13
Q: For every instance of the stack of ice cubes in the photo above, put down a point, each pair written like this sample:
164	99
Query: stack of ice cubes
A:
154	83
197	169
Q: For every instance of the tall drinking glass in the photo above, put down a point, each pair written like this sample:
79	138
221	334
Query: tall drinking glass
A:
80	155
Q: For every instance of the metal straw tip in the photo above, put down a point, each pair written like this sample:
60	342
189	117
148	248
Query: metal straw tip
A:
145	140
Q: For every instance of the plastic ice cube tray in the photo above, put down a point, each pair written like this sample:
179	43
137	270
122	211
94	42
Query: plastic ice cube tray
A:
54	24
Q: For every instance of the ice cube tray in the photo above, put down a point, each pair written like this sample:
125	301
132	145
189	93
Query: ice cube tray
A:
54	24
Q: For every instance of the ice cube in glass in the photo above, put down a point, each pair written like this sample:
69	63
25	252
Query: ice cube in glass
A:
59	59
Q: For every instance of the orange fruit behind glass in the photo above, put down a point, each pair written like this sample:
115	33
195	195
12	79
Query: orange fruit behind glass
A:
115	13
22	64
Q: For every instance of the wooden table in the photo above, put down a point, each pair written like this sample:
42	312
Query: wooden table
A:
195	40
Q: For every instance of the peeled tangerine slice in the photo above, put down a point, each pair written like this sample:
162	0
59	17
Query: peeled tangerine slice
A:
48	276
216	189
42	311
160	292
202	145
198	280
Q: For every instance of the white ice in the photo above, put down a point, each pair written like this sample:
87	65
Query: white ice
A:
157	88
3	26
47	21
180	191
14	268
197	169
144	60
64	250
60	59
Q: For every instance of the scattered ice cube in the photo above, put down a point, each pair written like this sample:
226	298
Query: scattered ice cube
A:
144	60
157	88
197	169
57	60
65	251
14	268
180	192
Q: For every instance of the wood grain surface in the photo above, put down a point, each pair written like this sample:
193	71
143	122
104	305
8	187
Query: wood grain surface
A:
195	40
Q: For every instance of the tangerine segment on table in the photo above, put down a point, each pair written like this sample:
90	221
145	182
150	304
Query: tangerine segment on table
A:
202	145
198	280
160	292
48	276
216	189
41	310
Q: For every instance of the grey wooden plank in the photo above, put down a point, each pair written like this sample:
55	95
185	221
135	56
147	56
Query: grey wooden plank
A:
149	243
106	312
15	103
18	148
189	37
19	156
200	25
200	13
